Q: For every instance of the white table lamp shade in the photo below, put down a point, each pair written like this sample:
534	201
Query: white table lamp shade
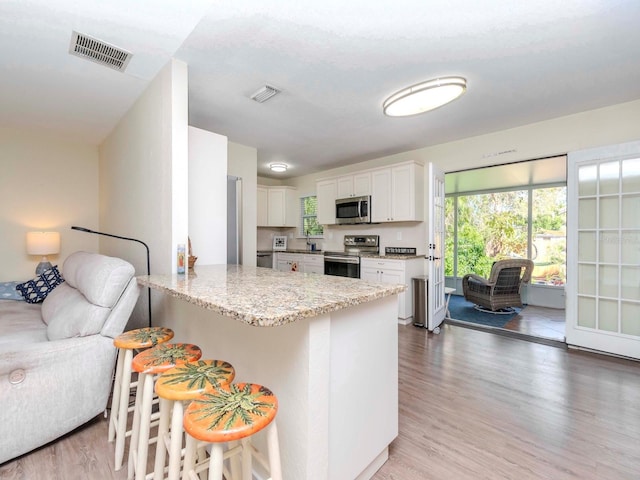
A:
43	243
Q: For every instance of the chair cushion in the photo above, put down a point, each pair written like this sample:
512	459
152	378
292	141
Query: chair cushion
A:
36	290
94	283
68	314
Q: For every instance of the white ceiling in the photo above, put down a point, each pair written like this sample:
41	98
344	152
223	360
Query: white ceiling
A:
334	61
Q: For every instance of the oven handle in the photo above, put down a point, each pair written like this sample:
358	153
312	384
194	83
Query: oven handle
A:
342	259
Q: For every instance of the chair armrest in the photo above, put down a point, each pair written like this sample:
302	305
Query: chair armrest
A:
478	279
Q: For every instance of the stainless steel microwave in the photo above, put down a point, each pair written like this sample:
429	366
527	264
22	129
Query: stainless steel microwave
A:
353	210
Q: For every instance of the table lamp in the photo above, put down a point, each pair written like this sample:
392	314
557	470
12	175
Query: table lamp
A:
43	243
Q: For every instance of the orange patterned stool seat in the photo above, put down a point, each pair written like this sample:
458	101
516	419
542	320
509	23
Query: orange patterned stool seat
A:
148	364
126	343
183	383
232	413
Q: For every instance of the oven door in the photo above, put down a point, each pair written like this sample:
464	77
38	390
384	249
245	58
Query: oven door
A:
342	266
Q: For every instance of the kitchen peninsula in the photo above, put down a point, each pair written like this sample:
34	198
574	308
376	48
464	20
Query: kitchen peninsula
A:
326	346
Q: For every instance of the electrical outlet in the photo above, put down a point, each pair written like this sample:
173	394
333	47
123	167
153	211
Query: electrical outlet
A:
399	236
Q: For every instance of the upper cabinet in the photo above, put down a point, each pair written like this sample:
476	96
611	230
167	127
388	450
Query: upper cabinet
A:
261	204
354	185
397	193
326	192
277	206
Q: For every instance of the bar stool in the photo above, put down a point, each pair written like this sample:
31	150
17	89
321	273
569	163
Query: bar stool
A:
126	343
229	414
183	383
148	364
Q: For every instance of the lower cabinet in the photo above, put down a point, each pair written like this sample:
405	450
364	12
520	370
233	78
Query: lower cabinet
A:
299	262
313	264
395	271
289	262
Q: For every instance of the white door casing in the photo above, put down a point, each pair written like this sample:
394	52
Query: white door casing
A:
436	308
603	249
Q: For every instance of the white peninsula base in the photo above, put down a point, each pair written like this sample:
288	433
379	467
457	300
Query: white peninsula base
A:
335	376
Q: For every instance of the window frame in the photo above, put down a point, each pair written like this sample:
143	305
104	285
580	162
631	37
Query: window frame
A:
527	188
301	232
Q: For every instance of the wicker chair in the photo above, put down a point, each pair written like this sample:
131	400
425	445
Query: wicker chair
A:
502	289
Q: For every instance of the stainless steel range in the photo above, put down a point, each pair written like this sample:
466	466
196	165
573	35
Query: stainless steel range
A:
347	262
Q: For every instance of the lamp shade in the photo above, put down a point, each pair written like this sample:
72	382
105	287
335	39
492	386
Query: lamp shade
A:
43	243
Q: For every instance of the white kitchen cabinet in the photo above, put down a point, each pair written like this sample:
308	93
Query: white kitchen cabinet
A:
261	204
326	192
354	185
277	206
394	271
397	193
313	264
289	262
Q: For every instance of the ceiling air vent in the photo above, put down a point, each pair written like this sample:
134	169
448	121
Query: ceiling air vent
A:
98	51
264	94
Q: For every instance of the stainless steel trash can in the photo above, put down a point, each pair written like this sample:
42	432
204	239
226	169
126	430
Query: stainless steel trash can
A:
419	300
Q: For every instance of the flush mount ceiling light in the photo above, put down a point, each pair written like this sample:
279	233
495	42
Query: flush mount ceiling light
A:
424	96
278	167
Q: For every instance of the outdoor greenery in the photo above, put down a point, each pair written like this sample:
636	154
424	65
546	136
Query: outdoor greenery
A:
310	225
492	226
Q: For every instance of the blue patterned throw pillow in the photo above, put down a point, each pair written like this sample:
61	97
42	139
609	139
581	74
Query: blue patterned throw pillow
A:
36	290
8	291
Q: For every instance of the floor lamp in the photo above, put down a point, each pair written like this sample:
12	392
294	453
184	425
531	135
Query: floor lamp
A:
82	229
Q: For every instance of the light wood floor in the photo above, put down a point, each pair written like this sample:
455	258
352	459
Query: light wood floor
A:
473	405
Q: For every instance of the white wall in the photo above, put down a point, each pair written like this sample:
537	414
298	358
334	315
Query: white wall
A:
243	163
46	183
604	126
144	180
208	196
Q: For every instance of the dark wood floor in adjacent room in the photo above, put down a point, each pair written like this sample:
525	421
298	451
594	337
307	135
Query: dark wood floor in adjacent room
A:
473	405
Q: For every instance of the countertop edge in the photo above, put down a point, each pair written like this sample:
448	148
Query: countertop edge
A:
384	290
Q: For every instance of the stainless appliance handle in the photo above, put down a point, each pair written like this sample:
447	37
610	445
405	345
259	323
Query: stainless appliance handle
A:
355	260
360	208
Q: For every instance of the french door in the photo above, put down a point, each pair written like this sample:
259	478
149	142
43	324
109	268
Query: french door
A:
603	249
436	307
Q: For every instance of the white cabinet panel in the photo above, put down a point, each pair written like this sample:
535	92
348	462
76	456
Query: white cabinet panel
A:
394	272
326	192
277	206
261	207
289	262
353	185
397	193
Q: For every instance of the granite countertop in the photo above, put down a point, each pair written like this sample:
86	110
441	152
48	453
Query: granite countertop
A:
290	250
264	297
391	256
